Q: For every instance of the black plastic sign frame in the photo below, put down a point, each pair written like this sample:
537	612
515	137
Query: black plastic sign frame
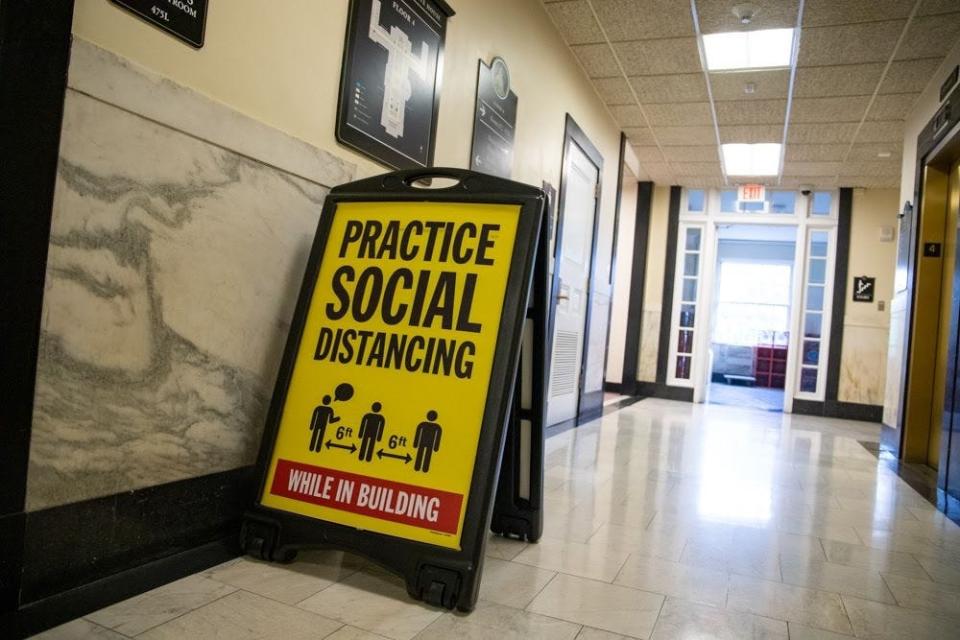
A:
390	80
518	510
184	19
446	576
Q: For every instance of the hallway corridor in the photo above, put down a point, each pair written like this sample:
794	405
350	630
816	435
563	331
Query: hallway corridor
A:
664	520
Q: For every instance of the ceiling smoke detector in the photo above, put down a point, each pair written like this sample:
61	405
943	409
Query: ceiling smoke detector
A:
744	13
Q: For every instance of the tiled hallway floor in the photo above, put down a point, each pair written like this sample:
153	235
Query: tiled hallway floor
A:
664	520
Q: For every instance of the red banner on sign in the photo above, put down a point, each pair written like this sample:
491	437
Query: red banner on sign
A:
374	497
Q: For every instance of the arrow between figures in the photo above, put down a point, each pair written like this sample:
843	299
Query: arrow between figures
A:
406	458
352	448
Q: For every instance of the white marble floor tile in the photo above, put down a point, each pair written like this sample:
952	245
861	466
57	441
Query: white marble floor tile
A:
937	598
879	621
940	571
681	620
596	604
820	609
244	616
79	629
585	560
803	632
656	543
511	583
758	562
503	548
674	579
373	602
491	620
288	583
136	615
347	632
589	633
827	576
882	560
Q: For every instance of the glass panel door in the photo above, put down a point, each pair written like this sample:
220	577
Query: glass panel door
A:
814	319
690	265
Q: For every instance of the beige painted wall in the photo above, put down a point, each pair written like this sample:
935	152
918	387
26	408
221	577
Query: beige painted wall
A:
279	62
865	328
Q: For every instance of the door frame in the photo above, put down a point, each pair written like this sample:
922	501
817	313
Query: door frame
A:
574	135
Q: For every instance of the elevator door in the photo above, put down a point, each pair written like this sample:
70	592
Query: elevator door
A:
948	424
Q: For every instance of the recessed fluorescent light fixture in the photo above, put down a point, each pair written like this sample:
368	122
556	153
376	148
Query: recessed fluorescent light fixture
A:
748	49
751	159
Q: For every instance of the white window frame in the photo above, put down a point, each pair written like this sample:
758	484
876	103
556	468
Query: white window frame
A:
805	223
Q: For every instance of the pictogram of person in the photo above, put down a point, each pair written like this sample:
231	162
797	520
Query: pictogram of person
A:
371	432
426	441
322	416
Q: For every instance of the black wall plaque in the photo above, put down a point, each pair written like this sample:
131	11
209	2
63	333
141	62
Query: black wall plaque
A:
390	82
931	249
185	19
494	121
863	287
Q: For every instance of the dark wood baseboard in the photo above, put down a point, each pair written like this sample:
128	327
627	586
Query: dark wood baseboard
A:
664	391
843	410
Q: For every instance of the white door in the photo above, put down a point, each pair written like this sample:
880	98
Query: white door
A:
580	187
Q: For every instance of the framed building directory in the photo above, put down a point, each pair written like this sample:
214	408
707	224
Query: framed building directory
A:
390	80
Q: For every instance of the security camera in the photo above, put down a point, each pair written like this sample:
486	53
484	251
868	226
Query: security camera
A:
805	192
805	189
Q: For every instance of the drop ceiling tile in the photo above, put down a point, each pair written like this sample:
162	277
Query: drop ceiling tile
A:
658	171
597	60
818	182
930	37
646	153
822	133
770	181
831	12
614	91
644	19
679	114
695	153
894	106
815	152
886	131
766	85
701	182
696	168
750	134
931	7
687	87
751	112
842	80
842	109
716	16
869	152
575	22
628	115
871	169
685	136
848	44
659	57
639	136
870	182
808	169
909	76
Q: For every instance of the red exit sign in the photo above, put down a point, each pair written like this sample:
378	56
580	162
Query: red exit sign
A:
751	193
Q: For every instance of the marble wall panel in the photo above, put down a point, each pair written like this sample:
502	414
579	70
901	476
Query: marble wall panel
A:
863	365
173	271
649	345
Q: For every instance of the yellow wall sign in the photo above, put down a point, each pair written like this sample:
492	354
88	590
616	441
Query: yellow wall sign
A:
381	422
